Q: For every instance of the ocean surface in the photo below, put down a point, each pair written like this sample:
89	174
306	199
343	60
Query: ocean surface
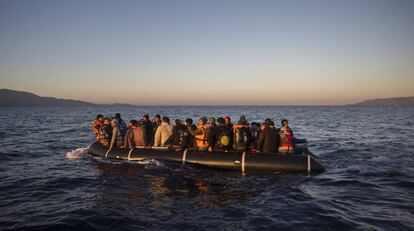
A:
48	182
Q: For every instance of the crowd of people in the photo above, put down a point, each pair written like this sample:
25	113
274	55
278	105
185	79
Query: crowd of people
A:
209	135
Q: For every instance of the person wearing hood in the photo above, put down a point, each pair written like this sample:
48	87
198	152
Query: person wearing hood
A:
163	133
269	138
117	140
121	124
241	135
219	137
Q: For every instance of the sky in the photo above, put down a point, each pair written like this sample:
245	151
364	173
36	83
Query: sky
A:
207	52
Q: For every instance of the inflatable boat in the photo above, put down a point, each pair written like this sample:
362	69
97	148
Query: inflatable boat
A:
239	161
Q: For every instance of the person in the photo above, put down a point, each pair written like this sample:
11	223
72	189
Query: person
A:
219	137
105	133
286	137
191	128
96	125
163	132
117	140
229	126
268	141
156	121
201	140
254	135
241	135
121	124
149	129
136	135
180	136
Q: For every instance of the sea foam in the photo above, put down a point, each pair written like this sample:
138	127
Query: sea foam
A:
77	153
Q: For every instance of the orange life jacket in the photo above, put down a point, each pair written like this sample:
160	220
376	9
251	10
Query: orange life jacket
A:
96	126
201	139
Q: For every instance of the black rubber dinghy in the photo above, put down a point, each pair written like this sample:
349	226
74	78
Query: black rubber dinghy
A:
239	161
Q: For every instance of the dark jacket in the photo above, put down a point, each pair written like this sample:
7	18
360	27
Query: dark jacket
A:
191	139
180	137
149	130
215	138
269	140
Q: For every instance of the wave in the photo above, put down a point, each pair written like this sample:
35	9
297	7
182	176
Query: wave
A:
77	153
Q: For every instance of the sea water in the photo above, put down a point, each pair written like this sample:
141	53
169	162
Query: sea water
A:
49	182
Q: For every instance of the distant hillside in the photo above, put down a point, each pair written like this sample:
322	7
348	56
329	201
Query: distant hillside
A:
397	101
22	98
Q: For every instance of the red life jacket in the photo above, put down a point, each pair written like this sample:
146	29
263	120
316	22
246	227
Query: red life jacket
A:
286	139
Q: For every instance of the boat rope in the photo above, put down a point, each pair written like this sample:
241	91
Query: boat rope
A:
309	163
129	153
243	162
106	154
184	156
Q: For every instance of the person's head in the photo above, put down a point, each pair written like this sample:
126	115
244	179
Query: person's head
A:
114	122
221	121
263	125
133	123
202	121
254	125
118	116
100	117
142	122
242	120
145	117
212	121
165	119
177	122
271	124
107	121
227	119
189	122
267	120
157	118
284	122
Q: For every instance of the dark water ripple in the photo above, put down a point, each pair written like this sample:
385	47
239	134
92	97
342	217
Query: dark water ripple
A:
368	185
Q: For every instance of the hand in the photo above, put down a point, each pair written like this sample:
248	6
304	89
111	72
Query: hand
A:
210	149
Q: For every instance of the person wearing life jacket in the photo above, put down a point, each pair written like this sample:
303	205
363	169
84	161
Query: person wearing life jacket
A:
117	140
219	137
191	128
201	139
96	125
286	138
136	136
163	133
254	136
269	138
180	136
105	133
241	135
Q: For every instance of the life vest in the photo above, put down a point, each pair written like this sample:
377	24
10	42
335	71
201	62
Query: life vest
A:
286	140
139	136
224	138
241	137
104	135
96	126
201	139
